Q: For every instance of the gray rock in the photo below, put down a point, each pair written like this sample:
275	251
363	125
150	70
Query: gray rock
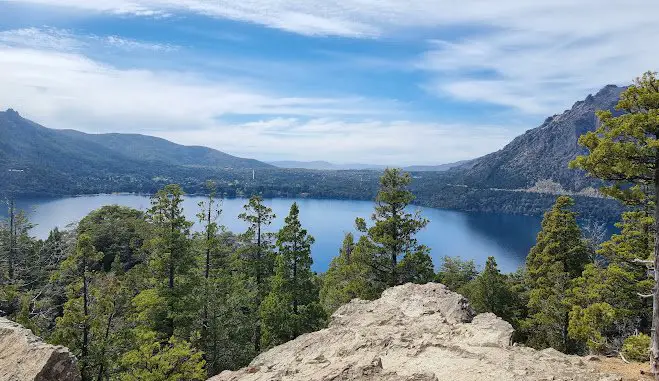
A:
25	357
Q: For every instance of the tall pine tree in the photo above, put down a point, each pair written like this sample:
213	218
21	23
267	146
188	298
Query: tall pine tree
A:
558	257
292	307
625	151
258	256
174	263
392	235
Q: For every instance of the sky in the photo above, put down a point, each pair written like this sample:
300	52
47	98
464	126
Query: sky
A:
353	81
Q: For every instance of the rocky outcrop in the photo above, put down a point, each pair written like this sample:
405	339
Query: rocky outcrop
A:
412	333
25	357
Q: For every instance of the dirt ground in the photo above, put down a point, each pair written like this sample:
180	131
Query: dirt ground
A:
629	372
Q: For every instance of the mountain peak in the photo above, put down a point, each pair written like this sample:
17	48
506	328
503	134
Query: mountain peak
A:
12	112
607	94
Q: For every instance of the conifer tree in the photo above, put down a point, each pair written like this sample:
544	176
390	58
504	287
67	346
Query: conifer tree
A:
258	255
558	257
606	303
491	292
153	360
292	307
624	150
74	326
392	235
173	262
208	215
349	276
455	273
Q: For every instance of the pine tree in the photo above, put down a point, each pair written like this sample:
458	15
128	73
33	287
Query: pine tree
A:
392	235
259	256
208	215
625	151
417	267
74	326
558	257
456	273
119	233
606	306
349	276
173	261
292	306
153	360
490	291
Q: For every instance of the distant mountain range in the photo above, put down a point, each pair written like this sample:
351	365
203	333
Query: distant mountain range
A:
325	165
67	162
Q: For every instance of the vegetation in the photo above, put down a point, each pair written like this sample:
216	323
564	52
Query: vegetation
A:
625	151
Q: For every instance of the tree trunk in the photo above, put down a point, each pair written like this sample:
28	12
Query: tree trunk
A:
257	328
394	251
172	272
204	324
654	350
85	325
101	367
12	241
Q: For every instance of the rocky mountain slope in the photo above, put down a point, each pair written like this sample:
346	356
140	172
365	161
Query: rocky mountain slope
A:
543	152
412	333
24	357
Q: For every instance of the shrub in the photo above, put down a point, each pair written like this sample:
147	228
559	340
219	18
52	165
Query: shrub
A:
637	348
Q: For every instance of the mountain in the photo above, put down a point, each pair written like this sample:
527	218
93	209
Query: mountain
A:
436	168
152	149
24	143
542	153
327	166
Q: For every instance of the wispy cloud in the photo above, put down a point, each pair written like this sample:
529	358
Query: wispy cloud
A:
66	40
66	89
534	56
332	139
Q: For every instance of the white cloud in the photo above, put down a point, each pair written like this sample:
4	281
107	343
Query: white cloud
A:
43	82
68	90
536	56
40	38
65	40
369	141
132	45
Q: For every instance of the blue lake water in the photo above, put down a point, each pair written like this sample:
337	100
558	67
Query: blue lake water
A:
469	235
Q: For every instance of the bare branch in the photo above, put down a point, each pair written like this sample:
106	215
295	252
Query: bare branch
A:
645	295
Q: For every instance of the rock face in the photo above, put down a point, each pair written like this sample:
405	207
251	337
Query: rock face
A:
412	333
24	357
542	153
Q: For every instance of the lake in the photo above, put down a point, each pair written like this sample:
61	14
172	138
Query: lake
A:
469	235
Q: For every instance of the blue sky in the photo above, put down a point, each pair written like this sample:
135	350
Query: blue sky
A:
386	82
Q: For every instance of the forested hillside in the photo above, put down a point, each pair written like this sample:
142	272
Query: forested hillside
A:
75	157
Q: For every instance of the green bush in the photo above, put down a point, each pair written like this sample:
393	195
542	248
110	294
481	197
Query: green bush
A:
637	348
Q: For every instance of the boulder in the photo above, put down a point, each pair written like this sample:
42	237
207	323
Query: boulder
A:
412	333
25	357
